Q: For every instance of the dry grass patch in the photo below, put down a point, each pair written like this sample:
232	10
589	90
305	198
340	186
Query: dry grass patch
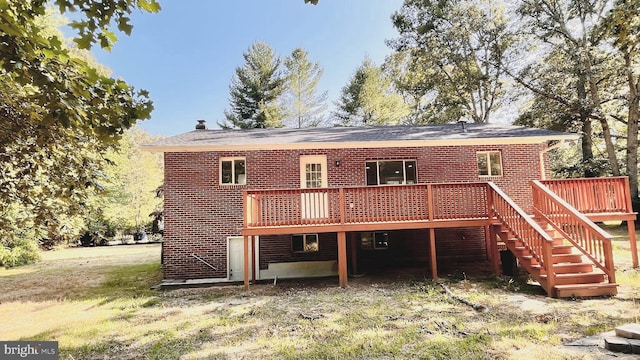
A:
100	306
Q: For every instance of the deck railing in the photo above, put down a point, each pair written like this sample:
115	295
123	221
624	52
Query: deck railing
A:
586	236
365	204
525	229
594	195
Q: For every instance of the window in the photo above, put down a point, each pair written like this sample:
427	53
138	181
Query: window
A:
391	172
313	175
304	242
232	171
374	240
489	163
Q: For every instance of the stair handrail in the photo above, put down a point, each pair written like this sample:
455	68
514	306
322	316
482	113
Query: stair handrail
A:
530	233
574	226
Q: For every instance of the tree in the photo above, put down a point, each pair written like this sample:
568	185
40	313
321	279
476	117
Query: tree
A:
255	89
369	99
304	107
462	44
623	26
58	114
572	29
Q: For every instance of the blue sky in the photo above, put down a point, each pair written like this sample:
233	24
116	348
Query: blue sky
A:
186	55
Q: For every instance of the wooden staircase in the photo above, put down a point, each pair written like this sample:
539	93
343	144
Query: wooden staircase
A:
575	274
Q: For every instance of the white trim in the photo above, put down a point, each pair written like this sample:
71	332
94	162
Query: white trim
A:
233	169
313	159
404	170
488	153
362	144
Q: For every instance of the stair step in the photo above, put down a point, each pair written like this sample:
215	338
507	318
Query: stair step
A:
562	249
580	278
567	258
622	345
629	331
573	268
585	290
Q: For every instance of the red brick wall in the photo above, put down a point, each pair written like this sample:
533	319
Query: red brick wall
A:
200	214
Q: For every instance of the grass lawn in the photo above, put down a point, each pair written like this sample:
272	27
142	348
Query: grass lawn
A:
96	302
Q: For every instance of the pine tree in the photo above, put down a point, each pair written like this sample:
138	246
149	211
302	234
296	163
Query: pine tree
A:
369	99
304	106
255	89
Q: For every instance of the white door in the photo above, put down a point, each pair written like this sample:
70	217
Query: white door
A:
236	258
313	174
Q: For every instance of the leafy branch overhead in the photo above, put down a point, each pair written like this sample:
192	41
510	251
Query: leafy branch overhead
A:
59	111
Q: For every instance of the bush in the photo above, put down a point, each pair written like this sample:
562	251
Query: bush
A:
19	251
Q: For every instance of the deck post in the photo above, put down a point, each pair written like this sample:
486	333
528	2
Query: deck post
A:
495	256
432	253
253	259
354	252
246	262
631	229
342	259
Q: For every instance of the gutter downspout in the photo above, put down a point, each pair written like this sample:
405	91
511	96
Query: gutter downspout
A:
543	173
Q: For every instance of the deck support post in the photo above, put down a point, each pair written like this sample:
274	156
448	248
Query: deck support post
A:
631	228
354	252
342	259
253	259
246	262
432	253
495	254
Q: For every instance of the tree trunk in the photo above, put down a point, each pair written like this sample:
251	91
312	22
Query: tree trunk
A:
632	131
606	131
587	148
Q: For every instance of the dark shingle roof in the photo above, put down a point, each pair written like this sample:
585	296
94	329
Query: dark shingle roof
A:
336	137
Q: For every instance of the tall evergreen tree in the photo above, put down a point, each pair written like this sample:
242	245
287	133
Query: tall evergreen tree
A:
304	106
255	89
369	99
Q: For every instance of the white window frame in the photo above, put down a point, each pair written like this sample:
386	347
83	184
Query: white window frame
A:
489	167
305	244
404	170
233	169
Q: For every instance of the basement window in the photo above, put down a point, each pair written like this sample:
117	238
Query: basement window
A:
489	163
374	240
302	243
233	171
390	172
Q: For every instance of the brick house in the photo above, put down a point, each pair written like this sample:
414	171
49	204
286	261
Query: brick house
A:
259	204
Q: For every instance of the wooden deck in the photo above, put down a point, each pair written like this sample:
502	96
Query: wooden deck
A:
431	206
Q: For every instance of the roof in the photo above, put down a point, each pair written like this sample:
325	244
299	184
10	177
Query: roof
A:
356	137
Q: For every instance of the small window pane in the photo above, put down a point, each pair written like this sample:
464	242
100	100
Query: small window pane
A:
311	243
227	172
297	243
372	172
483	167
496	164
366	240
410	172
381	240
391	172
240	176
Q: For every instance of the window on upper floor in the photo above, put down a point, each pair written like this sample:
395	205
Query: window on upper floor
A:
489	163
304	243
388	172
233	171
